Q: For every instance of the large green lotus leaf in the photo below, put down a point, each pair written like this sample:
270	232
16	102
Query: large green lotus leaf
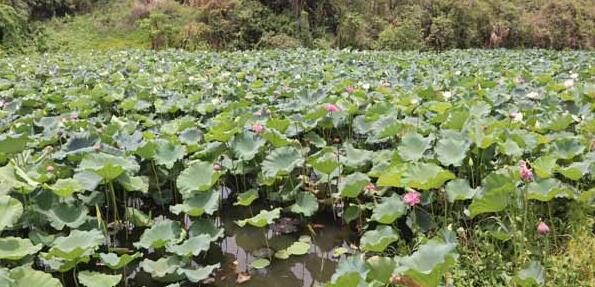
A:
160	234
66	214
198	274
413	146
88	179
381	268
167	154
199	176
377	240
298	248
510	148
12	178
97	279
246	145
15	248
11	210
192	246
305	203
355	158
547	189
389	210
223	130
575	171
261	219
278	124
494	196
533	275
114	262
134	183
78	143
384	128
544	166
426	176
108	166
12	143
325	162
566	148
190	136
393	176
429	263
351	272
28	277
246	198
352	185
198	204
162	267
66	187
137	217
129	142
205	226
282	161
451	151
78	243
276	138
459	189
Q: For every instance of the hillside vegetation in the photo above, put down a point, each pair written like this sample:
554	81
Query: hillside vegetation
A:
36	25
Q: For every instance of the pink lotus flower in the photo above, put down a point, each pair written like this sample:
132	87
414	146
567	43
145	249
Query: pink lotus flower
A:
370	187
349	89
257	128
525	171
97	147
50	168
216	167
2	103
331	108
258	113
542	228
412	198
74	116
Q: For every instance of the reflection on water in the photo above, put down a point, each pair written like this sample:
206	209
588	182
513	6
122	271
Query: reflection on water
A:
243	245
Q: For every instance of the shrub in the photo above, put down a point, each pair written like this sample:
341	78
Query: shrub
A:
279	41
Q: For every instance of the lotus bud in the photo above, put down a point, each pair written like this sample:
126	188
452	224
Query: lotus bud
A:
50	168
542	228
216	167
331	108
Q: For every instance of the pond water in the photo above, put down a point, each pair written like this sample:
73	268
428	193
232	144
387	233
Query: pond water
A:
242	245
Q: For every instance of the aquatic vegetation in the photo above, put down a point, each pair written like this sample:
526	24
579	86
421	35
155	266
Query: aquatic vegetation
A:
343	168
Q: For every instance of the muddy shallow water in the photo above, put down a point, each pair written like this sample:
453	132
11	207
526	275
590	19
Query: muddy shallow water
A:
242	245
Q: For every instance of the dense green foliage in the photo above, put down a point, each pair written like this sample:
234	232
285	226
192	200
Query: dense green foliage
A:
470	168
357	24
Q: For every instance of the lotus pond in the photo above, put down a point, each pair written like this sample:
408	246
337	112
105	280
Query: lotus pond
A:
297	168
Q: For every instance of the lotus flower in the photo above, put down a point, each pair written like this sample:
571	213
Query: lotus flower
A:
532	95
97	147
569	83
447	95
258	113
257	128
525	171
331	108
370	187
50	168
74	116
516	116
412	198
542	228
349	89
2	103
216	167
